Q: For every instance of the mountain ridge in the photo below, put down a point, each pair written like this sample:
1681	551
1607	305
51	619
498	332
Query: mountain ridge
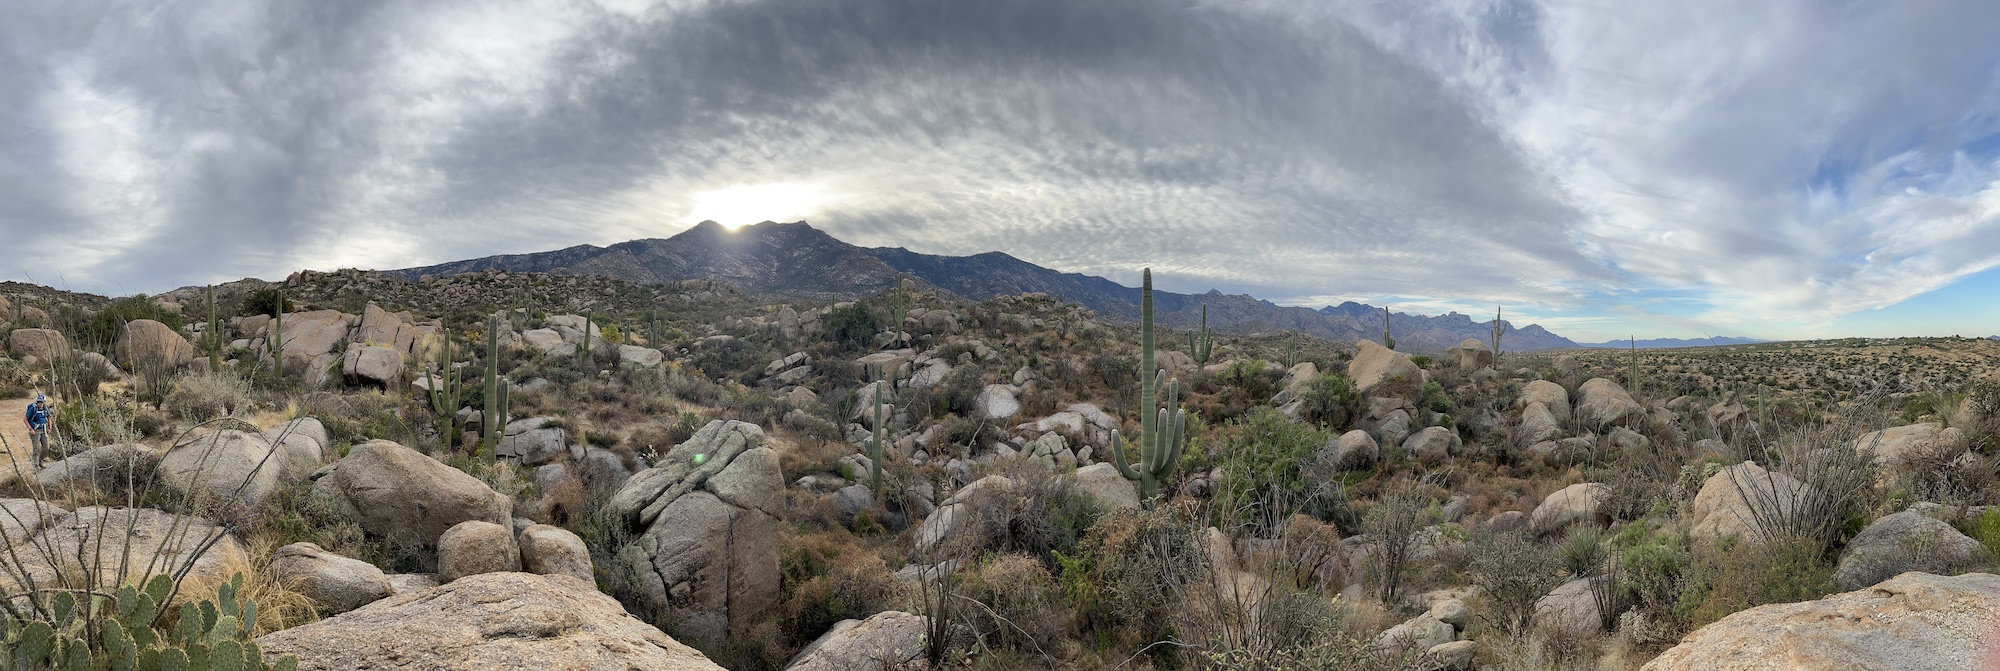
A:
798	261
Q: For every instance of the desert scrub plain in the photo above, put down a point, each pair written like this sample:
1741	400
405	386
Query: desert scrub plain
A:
493	470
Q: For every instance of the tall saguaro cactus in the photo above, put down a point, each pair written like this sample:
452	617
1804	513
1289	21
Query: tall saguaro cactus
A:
276	341
1388	341
1160	436
214	335
1499	328
1200	345
875	446
446	392
494	416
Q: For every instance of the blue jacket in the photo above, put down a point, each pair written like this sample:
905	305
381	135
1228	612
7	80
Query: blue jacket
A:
38	416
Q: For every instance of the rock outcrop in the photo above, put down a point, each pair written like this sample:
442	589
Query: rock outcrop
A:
1912	621
488	621
475	547
1602	402
1570	505
335	584
400	494
885	640
1385	372
712	511
44	344
1904	542
145	343
1741	501
214	467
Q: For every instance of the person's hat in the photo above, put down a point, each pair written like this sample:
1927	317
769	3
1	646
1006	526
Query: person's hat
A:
39	398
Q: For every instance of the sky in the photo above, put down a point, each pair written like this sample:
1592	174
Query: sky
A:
1666	169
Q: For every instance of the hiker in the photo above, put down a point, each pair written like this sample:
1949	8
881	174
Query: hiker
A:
38	426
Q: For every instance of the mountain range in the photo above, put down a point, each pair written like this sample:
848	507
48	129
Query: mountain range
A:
795	260
1671	343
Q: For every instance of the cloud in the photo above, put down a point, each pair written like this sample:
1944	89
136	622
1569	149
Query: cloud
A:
1782	163
1244	148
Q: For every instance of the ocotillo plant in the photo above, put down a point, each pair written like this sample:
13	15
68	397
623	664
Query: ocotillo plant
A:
1159	437
1499	328
1199	343
1388	341
494	416
447	391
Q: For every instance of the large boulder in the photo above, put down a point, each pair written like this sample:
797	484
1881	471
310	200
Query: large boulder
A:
302	445
335	584
1914	443
634	356
1385	372
535	441
106	466
398	493
488	621
96	538
1904	542
1433	445
145	343
473	547
1552	396
1470	354
387	329
712	511
1355	450
306	336
886	640
44	344
373	364
1912	621
543	340
1602	402
997	401
1742	501
1570	608
215	467
1103	482
22	518
1538	424
1580	502
955	511
551	550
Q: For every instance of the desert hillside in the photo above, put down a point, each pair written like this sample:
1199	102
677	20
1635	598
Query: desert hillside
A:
507	469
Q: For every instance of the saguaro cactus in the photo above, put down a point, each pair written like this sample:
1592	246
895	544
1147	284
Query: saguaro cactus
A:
875	447
494	416
446	392
1160	436
276	341
1499	328
1388	341
1199	342
214	335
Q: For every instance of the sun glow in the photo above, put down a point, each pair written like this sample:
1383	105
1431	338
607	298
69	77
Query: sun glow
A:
743	204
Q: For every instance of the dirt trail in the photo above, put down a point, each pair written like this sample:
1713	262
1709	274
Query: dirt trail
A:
18	449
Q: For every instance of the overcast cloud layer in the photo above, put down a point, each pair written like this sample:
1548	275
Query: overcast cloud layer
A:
1684	166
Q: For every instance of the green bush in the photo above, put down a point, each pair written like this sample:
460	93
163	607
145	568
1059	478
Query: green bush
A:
1263	458
103	328
1332	402
853	325
266	301
1137	559
1651	560
1728	577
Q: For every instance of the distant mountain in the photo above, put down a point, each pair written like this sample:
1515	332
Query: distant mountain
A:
798	261
1670	343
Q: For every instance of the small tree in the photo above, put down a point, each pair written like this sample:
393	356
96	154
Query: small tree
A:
1393	524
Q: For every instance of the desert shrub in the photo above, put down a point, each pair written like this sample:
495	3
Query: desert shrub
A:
266	301
202	395
1582	550
1039	518
1986	529
1263	458
1117	371
291	514
1020	607
1393	524
103	328
961	390
1514	572
854	325
1727	577
72	376
829	577
90	421
1138	560
1651	560
1332	402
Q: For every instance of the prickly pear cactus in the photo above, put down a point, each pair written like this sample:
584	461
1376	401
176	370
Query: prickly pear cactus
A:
118	633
